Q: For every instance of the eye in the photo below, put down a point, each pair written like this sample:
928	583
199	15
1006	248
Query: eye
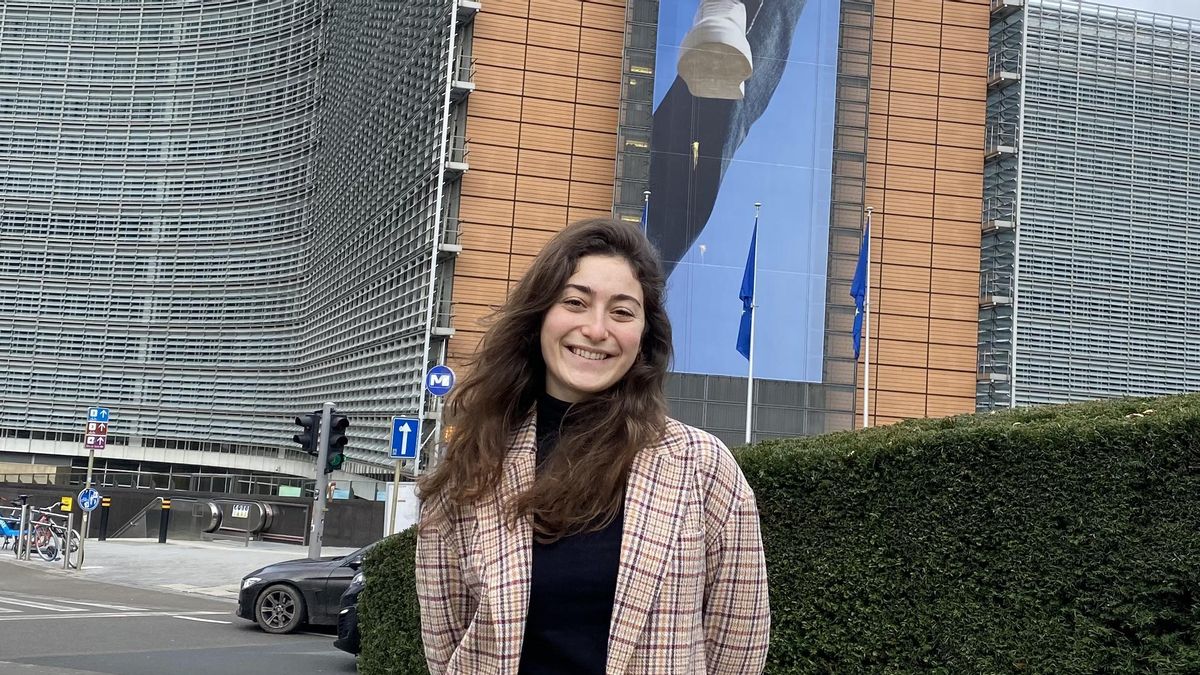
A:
625	314
574	303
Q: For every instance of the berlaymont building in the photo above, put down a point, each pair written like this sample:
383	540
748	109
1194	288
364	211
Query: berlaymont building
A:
217	215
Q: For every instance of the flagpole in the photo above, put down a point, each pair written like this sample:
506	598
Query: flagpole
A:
645	210
867	330
753	316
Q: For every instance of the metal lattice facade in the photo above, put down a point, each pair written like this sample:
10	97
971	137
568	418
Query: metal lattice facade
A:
1093	156
215	215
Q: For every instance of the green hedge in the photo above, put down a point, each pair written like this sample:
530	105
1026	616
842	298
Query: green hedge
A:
1059	539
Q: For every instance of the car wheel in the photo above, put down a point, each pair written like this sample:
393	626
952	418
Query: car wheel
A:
279	609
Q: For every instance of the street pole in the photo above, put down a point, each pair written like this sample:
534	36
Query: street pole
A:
318	519
87	516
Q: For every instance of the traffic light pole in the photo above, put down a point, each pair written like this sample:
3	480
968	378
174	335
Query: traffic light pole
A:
318	519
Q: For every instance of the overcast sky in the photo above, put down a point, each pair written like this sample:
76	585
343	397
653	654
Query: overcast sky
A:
1188	8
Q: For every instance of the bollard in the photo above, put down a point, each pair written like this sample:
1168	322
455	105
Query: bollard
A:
23	537
66	550
163	520
105	502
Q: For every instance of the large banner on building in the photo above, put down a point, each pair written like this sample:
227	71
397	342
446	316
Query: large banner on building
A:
744	113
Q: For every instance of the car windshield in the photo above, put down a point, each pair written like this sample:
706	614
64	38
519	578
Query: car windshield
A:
360	554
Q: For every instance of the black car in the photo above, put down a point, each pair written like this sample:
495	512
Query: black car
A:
281	597
347	622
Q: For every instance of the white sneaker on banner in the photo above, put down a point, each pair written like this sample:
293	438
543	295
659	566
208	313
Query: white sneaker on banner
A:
714	57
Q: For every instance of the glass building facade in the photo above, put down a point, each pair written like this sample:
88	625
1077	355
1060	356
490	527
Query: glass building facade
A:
1091	249
216	215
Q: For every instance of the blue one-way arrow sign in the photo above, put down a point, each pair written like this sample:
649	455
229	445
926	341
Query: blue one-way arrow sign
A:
406	437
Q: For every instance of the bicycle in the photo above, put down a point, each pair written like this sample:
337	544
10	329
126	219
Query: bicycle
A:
39	534
59	532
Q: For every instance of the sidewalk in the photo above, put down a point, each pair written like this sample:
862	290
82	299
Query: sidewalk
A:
213	569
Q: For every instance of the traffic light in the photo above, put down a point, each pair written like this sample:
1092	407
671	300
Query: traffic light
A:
311	422
337	442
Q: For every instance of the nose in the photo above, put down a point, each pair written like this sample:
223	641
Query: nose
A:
595	326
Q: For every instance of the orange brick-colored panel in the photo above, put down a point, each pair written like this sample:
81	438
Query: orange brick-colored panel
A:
496	158
905	104
900	353
597	67
882	31
482	264
461	348
576	214
946	207
904	153
519	266
493	26
905	278
901	378
488	184
967	111
919	10
963	86
962	37
597	196
497	79
603	42
553	87
960	159
562	11
964	63
496	106
593	170
875	174
908	303
553	61
493	132
545	137
956	282
897	404
543	190
593	144
951	332
916	33
898	327
877	124
540	216
957	307
556	35
468	316
595	118
479	291
530	241
914	81
544	164
957	232
508	7
908	227
549	113
908	203
915	56
498	53
595	92
910	178
972	14
912	253
958	183
477	237
950	257
609	16
912	130
478	211
945	406
952	357
885	8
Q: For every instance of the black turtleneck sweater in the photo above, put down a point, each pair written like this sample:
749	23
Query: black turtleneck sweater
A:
574	582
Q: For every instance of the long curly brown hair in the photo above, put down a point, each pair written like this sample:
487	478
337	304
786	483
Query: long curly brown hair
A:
582	486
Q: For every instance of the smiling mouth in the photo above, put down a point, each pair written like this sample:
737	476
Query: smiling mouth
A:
588	354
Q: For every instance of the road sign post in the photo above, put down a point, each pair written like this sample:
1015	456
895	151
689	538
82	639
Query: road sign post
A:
406	444
95	438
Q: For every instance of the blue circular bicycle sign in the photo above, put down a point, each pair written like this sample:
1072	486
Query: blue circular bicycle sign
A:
89	499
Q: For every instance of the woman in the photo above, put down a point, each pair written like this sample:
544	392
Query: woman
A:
572	527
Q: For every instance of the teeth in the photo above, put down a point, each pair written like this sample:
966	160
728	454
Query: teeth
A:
592	356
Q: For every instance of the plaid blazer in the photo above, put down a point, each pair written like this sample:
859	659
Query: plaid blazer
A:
691	588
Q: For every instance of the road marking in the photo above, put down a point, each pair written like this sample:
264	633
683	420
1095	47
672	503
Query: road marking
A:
8	610
119	608
97	615
196	618
38	605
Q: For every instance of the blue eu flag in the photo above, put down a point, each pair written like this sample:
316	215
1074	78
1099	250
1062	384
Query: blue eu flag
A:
858	288
747	296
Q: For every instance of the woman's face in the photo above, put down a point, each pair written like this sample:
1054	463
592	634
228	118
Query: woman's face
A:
592	334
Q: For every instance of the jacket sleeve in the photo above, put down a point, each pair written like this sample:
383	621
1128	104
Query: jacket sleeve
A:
737	614
446	604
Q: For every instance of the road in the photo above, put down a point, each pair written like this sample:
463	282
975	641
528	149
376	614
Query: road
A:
52	624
